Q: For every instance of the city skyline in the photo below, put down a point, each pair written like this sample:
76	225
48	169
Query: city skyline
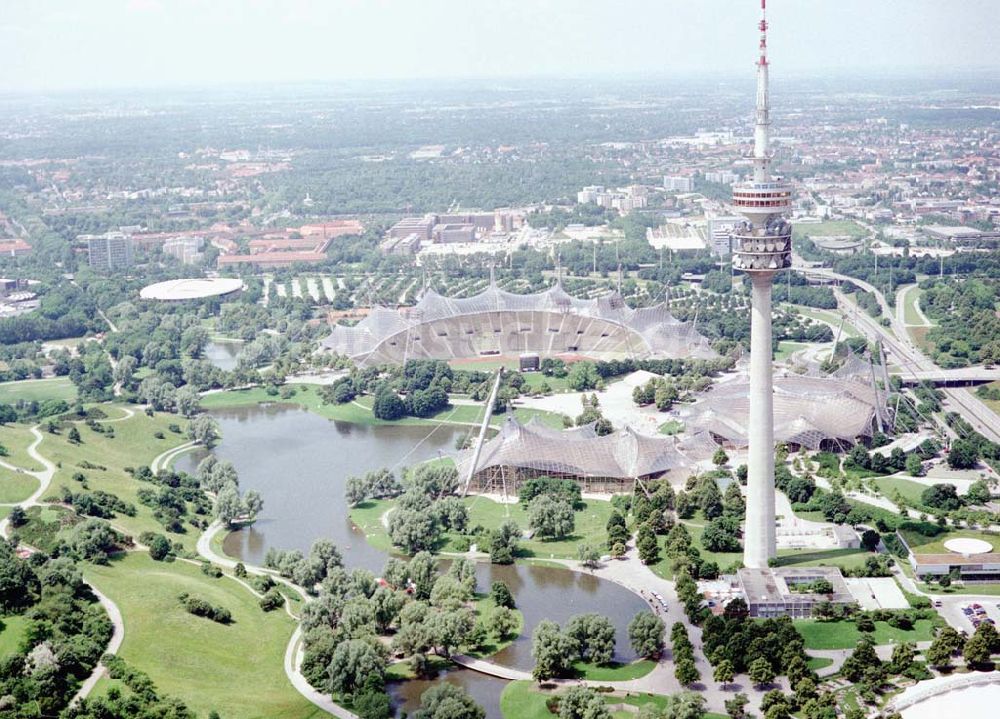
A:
57	45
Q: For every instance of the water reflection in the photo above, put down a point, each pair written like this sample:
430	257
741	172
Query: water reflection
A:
223	353
485	690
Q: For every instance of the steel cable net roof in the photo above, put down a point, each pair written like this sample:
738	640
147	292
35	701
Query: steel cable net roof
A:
499	322
581	452
810	407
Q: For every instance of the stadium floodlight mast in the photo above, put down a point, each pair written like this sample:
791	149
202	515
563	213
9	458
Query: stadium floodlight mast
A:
762	247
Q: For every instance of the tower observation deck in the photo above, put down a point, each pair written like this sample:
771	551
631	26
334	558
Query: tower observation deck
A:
762	246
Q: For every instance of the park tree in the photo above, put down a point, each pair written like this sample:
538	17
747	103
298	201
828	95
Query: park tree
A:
448	701
74	435
552	651
649	548
686	671
422	572
388	406
549	517
761	672
589	556
724	672
977	493
582	376
645	634
203	430
594	637
187	401
946	644
228	505
981	645
870	539
501	622
503	543
580	702
354	662
941	496
914	467
413	530
720	458
963	454
736	707
862	659
253	504
501	596
159	547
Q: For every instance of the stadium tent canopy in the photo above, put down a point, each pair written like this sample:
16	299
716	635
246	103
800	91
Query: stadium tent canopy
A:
499	322
811	409
609	463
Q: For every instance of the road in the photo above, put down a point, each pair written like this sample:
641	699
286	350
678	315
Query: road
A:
911	360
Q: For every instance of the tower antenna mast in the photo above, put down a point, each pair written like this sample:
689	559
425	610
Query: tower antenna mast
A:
763	247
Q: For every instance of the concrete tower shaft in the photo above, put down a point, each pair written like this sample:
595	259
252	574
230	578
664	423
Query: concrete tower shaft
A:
762	247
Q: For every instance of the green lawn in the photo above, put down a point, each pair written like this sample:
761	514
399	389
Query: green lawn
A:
45	526
235	669
614	672
16	438
831	317
910	314
830	228
910	490
12	630
16	487
367	516
484	606
37	390
817	663
671	426
845	635
786	348
846	558
359	411
523	700
935	545
134	444
591	522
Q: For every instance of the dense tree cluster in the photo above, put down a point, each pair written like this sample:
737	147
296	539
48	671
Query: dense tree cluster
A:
586	637
66	632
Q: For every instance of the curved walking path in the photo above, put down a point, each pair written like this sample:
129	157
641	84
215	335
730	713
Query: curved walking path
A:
294	651
114	614
163	460
117	637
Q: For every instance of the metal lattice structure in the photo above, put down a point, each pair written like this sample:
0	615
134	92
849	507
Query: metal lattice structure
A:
609	464
496	322
812	409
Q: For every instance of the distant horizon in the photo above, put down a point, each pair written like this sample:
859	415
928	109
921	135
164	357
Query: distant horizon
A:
65	45
911	73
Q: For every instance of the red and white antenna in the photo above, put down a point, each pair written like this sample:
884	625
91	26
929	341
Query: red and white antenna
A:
763	32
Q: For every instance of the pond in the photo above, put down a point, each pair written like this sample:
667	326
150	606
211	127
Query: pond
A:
300	461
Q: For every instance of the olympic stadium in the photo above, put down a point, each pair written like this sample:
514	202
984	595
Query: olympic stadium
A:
496	322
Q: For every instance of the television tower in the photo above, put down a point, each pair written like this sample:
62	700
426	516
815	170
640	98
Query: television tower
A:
762	246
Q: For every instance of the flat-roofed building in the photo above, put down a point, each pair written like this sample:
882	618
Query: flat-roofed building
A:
789	591
445	233
110	251
272	259
422	226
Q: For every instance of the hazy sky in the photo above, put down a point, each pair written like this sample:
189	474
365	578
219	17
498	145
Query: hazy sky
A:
57	44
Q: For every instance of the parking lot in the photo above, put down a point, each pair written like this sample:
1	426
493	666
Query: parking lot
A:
980	611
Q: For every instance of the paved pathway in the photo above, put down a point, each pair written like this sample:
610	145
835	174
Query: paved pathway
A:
117	637
44	477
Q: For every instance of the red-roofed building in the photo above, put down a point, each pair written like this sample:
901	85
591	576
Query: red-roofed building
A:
271	259
14	248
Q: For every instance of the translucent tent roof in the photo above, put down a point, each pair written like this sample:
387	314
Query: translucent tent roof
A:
809	407
625	454
499	322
